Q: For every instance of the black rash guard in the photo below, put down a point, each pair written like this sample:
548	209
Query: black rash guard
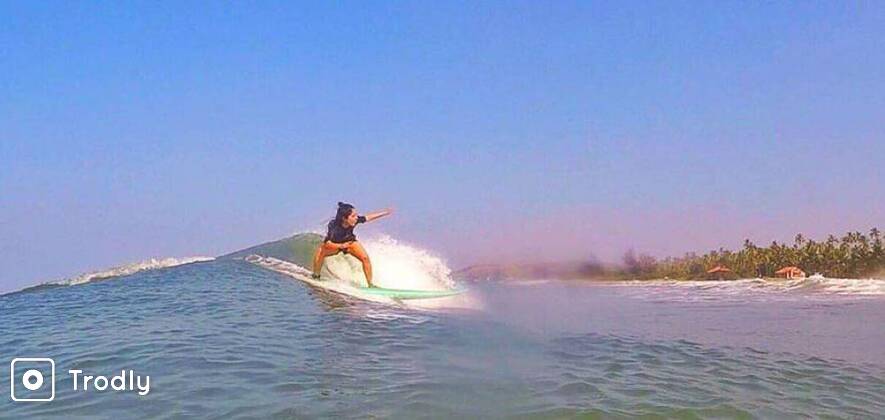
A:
340	234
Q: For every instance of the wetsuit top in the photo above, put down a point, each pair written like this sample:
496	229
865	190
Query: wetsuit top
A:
339	234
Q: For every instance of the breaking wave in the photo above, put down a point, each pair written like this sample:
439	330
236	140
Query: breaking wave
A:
122	270
125	270
815	285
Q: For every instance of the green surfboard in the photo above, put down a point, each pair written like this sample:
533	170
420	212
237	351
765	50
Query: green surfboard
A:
408	294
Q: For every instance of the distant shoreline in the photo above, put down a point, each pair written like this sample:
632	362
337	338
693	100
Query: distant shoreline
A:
517	272
853	256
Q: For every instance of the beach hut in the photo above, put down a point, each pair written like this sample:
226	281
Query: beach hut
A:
790	272
719	272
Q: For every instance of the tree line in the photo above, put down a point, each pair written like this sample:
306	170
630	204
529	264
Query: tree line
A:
854	255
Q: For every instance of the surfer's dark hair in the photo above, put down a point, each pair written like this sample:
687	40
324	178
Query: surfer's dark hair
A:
344	210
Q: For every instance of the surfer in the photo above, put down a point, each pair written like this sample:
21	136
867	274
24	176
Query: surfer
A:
340	238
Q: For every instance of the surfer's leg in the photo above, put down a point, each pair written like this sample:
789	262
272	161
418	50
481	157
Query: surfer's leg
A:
318	260
323	251
357	250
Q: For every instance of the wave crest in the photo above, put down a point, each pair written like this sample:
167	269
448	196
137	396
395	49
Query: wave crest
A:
125	270
811	286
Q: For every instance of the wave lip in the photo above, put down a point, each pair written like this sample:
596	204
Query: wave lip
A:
122	270
125	270
814	286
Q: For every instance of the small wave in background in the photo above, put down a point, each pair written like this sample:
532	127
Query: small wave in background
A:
762	289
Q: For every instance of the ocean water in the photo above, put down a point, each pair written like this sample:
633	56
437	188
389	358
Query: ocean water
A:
226	339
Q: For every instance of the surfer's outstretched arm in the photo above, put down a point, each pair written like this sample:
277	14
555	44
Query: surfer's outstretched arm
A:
378	214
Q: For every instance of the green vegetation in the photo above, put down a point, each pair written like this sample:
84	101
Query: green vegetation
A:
855	255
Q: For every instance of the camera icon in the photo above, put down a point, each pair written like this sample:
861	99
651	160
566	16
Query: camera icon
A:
27	379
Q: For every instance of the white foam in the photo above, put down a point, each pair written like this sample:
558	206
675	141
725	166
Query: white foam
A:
816	285
124	270
396	265
335	284
867	287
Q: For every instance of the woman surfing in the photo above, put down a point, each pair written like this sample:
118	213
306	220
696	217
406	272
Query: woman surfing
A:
340	238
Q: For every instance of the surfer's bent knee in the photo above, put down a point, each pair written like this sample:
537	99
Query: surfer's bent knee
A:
359	253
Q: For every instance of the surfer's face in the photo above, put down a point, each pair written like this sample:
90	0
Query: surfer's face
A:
350	220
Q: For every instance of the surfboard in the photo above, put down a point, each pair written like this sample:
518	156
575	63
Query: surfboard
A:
339	286
409	294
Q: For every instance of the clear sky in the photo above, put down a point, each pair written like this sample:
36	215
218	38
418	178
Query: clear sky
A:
498	130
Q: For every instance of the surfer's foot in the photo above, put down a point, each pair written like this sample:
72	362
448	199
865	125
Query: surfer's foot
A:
315	276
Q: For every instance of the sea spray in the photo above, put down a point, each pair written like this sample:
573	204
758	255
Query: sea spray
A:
401	266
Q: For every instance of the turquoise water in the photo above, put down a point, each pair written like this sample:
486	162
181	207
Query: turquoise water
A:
228	339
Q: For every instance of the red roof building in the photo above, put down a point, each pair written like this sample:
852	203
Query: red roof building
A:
790	272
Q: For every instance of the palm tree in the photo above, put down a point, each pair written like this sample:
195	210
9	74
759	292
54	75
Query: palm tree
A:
853	255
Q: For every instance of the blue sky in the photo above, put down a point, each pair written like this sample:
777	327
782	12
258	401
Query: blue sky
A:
498	130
